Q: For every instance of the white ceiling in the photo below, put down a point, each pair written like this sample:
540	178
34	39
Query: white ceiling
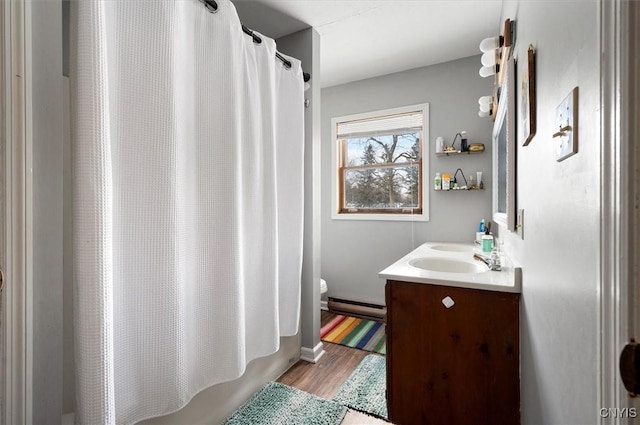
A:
364	39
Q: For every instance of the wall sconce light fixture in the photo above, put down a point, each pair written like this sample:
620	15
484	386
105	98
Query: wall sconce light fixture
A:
491	43
495	53
485	106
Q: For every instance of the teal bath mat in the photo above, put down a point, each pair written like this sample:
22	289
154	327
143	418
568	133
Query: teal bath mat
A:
365	389
279	404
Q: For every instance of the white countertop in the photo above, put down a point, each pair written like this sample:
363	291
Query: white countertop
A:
507	280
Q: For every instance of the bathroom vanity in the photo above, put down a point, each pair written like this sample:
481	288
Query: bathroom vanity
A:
452	338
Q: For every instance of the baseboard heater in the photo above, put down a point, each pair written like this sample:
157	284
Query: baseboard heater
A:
358	309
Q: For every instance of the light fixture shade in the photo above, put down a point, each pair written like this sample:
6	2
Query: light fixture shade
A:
488	58
489	44
487	71
484	100
482	114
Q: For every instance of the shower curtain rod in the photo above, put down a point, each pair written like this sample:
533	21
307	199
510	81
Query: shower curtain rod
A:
212	6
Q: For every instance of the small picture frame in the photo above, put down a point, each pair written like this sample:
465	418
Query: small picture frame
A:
528	98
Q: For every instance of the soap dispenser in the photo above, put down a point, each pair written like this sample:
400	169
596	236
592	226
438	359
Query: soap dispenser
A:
487	239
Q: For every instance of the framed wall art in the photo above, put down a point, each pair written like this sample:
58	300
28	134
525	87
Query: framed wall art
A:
528	98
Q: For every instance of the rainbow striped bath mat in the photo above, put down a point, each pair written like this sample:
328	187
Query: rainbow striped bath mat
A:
364	334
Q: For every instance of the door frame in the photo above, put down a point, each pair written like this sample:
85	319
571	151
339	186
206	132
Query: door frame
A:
16	226
620	220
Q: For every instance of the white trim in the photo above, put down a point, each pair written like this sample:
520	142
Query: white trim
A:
425	166
28	205
17	338
614	315
312	355
505	116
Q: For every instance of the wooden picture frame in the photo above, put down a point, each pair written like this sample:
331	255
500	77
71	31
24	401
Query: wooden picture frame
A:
528	98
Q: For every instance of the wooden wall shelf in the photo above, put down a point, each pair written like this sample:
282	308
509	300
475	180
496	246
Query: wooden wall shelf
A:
452	153
460	190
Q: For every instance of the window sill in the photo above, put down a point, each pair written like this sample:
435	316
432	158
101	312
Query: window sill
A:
380	217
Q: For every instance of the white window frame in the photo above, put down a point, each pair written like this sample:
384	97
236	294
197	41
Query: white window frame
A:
335	201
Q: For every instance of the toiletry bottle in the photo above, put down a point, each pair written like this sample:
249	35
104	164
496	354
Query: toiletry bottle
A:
487	239
480	232
464	147
494	259
487	243
439	144
446	181
437	182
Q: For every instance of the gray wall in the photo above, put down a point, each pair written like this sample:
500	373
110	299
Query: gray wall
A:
353	252
560	252
46	203
305	45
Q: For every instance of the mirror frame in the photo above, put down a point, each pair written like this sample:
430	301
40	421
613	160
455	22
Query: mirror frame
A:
506	116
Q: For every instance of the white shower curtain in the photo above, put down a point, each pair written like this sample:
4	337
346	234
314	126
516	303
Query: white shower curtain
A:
188	203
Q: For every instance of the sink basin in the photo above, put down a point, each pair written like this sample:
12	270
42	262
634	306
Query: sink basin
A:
447	265
452	248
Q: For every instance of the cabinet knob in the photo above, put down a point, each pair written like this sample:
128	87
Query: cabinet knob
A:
448	302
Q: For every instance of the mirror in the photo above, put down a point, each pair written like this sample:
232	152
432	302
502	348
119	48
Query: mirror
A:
504	152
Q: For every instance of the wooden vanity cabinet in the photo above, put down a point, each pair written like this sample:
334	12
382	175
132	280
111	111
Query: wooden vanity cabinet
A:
456	365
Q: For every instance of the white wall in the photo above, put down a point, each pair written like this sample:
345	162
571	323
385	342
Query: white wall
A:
353	252
560	252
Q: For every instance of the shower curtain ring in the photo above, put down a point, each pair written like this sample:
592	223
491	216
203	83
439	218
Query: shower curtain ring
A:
211	5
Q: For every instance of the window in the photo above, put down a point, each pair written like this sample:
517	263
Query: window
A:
379	171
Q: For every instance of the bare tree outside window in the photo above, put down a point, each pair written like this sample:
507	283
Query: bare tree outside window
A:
383	172
379	168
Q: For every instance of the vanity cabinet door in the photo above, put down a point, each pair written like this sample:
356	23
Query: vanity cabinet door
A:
452	365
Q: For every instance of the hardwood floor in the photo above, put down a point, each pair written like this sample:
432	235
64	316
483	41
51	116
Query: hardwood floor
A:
324	378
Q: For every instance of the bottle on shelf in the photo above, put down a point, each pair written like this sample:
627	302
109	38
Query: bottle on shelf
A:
446	181
437	182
